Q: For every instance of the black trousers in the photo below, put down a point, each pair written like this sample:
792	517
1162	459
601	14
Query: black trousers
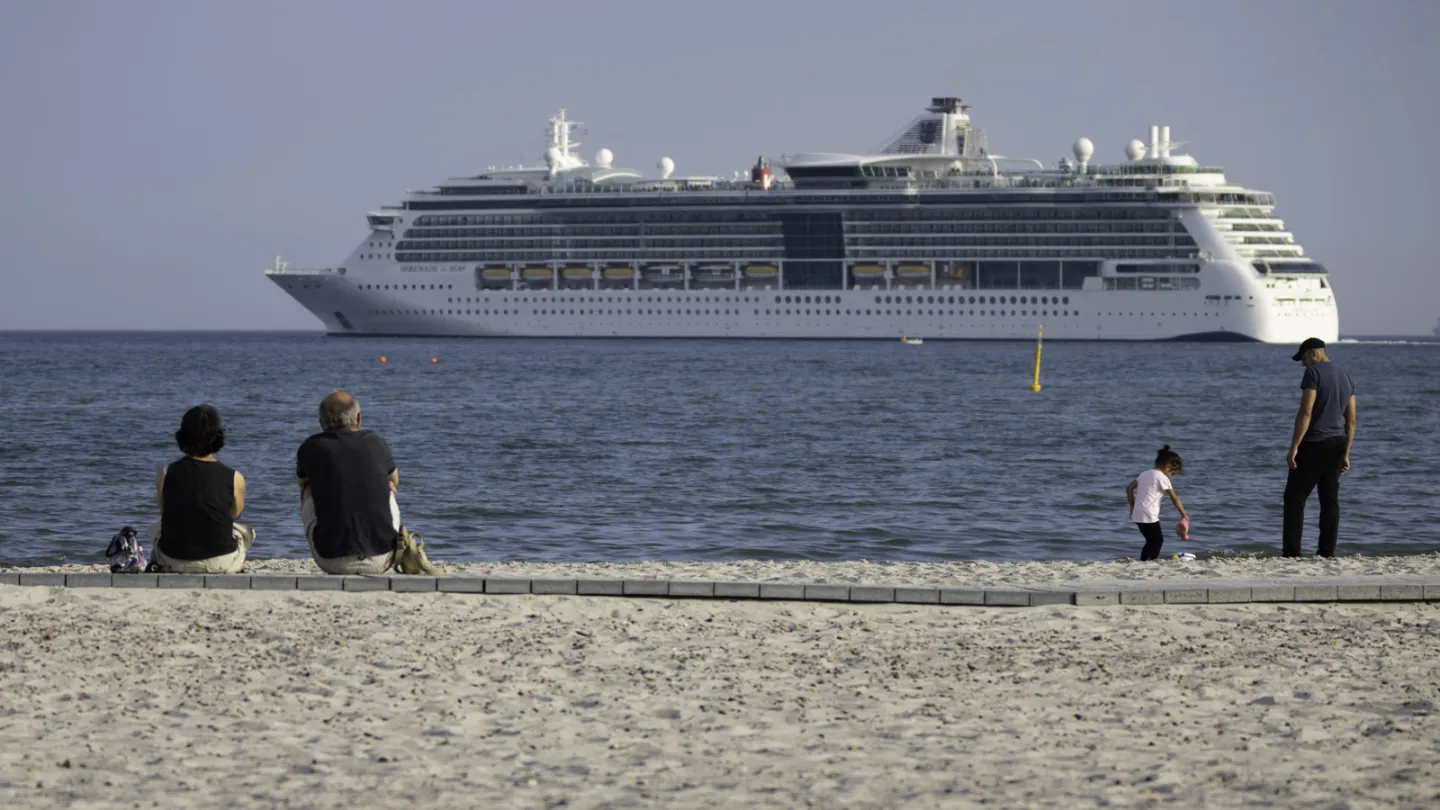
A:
1153	540
1316	464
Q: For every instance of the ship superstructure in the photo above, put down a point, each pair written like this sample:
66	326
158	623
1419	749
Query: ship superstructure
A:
931	234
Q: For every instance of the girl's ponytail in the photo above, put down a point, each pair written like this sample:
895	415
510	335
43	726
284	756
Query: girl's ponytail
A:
1166	457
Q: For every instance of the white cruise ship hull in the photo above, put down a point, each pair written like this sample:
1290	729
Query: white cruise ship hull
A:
449	304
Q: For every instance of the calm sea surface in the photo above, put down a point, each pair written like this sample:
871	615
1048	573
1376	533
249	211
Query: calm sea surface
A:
709	450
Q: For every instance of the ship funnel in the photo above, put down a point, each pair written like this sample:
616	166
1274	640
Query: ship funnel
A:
1154	149
1164	141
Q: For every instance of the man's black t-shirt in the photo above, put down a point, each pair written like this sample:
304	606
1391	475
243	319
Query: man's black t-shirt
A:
349	471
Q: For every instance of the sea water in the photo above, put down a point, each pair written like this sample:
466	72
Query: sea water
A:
583	450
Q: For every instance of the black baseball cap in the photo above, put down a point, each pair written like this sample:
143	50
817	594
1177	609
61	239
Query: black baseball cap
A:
1310	343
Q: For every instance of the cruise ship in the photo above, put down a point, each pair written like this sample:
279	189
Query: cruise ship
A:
930	235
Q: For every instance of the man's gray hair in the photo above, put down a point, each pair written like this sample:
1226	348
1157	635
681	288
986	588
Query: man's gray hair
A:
339	411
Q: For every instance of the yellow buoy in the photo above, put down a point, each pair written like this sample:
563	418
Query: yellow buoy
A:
382	358
433	360
1035	386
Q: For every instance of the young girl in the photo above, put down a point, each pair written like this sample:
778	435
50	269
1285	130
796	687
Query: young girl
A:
1144	496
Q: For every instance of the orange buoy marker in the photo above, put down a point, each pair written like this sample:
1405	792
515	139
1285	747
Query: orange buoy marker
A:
382	359
433	360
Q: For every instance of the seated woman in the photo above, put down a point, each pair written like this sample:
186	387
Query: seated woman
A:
199	499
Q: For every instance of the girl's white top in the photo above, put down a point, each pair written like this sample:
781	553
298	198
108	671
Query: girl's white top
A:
1150	487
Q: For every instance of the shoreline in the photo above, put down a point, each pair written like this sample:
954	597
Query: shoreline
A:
864	572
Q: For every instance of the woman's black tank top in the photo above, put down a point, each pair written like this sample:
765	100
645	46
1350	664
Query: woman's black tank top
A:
199	497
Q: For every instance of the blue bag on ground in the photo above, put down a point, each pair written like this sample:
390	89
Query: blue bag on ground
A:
125	554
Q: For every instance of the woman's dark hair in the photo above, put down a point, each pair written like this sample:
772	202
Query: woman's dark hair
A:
1169	458
200	432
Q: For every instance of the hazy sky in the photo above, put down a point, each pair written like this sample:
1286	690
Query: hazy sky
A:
155	156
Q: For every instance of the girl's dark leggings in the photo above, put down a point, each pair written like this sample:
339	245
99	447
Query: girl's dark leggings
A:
1153	540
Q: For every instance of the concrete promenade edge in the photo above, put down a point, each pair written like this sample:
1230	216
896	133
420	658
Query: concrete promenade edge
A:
1373	588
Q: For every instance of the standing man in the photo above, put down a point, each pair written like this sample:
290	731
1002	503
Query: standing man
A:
1319	448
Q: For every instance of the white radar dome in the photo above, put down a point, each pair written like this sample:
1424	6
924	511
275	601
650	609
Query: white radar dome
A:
552	156
1084	150
666	167
604	158
1135	149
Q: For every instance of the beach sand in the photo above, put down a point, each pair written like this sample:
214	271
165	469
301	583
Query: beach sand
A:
190	699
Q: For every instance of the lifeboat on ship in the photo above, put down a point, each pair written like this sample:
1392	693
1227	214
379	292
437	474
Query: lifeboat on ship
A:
956	274
537	275
663	274
618	276
761	272
577	275
913	272
867	273
713	274
495	276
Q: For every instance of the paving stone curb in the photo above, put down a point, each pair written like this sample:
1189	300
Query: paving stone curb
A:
1406	588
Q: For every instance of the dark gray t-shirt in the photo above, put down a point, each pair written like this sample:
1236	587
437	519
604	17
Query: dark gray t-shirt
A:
1333	390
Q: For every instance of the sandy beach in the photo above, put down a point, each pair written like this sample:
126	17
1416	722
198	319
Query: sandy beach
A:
211	699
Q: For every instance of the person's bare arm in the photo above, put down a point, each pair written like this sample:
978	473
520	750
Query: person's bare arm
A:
239	495
1130	494
1349	433
395	480
1178	506
1302	423
160	490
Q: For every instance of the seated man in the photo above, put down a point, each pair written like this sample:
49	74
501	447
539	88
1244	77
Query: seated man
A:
199	500
347	492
